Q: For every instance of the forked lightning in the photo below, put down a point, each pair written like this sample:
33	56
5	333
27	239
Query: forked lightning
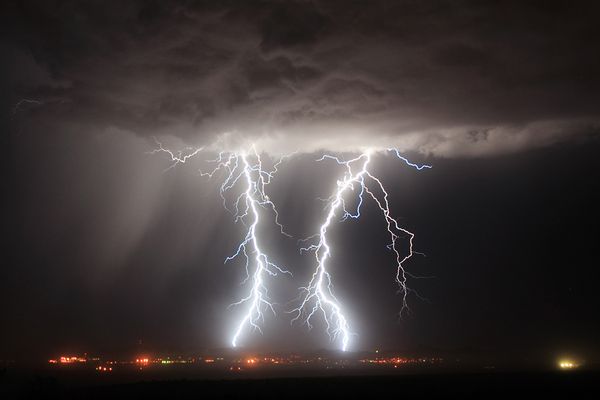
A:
245	171
317	296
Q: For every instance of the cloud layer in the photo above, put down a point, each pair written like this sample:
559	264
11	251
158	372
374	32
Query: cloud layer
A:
441	78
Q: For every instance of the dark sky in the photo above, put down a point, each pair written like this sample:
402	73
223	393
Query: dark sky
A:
104	249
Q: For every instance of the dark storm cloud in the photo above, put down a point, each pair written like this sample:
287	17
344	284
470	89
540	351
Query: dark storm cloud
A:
304	75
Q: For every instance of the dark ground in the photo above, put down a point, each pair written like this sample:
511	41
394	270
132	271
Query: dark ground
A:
571	384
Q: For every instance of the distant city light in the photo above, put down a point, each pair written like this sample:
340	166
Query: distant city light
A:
567	364
68	360
235	364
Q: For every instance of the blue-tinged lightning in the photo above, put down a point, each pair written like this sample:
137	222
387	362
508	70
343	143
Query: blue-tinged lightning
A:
318	295
244	171
244	174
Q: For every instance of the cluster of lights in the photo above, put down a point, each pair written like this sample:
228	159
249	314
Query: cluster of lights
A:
567	364
394	360
68	360
264	360
257	361
400	360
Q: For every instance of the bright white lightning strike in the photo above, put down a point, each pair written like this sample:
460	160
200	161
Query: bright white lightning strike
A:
318	295
247	171
253	198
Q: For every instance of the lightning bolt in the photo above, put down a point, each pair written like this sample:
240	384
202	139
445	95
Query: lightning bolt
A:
24	103
244	170
318	295
176	158
253	198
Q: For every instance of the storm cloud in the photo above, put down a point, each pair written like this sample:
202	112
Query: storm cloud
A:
442	78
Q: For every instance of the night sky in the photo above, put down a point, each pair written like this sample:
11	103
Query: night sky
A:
104	249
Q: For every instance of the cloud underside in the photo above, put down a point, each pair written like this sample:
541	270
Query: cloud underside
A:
448	79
